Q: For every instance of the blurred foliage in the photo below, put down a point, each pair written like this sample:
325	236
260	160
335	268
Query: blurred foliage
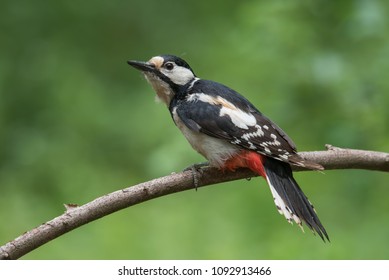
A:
76	122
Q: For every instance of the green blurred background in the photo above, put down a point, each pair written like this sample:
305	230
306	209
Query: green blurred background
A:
76	122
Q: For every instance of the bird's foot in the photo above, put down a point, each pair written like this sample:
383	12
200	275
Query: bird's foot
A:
196	168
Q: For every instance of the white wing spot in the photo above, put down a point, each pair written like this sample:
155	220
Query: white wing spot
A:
251	147
267	150
285	157
257	133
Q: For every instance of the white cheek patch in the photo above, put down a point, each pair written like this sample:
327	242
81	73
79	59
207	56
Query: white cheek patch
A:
179	75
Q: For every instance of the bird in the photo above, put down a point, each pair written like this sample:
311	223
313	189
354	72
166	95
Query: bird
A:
230	132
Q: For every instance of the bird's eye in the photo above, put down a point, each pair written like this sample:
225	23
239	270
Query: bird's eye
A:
169	66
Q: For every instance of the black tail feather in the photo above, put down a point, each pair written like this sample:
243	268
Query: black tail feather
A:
290	199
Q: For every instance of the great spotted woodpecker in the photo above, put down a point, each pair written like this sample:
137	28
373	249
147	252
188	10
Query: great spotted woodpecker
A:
230	132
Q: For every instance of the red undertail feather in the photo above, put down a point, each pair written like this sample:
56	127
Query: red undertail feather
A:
247	159
289	199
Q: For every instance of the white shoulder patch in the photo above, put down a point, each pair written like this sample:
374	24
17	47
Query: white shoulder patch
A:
238	117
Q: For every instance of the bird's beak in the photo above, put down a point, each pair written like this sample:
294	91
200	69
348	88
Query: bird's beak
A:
142	66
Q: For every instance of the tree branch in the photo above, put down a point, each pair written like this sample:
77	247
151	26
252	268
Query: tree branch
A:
76	216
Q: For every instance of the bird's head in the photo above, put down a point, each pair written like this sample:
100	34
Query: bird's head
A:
166	73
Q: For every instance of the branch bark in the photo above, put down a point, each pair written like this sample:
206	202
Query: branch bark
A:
76	216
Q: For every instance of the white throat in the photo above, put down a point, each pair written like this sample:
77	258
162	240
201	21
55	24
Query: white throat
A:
161	88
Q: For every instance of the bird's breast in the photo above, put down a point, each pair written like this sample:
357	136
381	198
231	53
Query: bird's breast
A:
216	151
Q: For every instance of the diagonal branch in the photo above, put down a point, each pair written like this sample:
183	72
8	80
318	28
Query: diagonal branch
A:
76	216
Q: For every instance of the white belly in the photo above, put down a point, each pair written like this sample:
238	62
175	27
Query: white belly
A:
215	150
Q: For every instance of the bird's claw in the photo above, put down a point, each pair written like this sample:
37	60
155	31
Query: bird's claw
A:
195	168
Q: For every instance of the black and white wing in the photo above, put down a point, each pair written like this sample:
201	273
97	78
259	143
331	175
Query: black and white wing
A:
220	112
